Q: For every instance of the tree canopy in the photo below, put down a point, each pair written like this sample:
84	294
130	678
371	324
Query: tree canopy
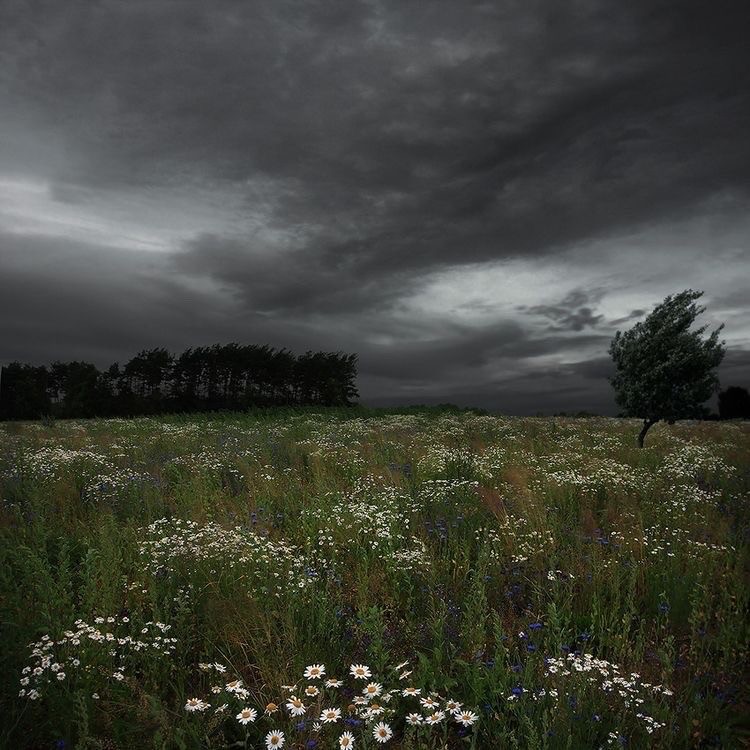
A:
665	370
207	378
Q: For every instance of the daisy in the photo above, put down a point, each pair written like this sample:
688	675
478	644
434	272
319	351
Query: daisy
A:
410	691
360	671
288	688
346	740
271	708
334	683
414	719
275	738
434	718
195	704
311	690
467	718
382	732
404	675
247	715
233	686
330	715
429	702
399	667
295	706
372	689
452	706
314	671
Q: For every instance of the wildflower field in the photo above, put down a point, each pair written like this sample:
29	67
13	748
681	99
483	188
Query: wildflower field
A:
353	579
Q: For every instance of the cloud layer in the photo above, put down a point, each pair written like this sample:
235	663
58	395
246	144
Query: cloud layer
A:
474	196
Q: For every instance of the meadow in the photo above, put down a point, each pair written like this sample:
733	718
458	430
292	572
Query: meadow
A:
345	578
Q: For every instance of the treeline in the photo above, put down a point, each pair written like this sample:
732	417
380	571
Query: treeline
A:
231	377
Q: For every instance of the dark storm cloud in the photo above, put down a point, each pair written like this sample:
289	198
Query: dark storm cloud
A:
573	313
366	145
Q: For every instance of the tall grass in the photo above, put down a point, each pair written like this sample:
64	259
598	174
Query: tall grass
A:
566	588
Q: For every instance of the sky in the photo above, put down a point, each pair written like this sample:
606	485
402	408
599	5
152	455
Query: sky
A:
472	196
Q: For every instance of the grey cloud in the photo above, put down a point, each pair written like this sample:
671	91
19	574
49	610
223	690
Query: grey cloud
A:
634	315
375	142
573	313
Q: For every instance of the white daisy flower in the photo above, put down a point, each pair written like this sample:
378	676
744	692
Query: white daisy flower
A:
247	715
195	704
434	718
360	671
330	715
467	718
414	719
295	706
274	739
346	740
410	691
452	706
311	691
382	732
314	671
429	702
372	690
334	683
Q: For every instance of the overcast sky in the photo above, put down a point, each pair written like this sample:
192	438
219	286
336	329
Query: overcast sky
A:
473	196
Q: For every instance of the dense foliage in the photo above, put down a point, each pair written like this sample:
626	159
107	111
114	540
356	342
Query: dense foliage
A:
665	370
343	579
209	378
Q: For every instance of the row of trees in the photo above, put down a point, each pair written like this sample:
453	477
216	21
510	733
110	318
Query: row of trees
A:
231	376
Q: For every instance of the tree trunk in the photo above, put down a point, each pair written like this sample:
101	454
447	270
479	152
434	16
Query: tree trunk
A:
647	425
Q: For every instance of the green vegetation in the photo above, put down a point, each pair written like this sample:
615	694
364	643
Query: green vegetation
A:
665	370
194	581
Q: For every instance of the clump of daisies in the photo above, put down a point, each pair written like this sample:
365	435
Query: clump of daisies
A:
567	675
343	710
103	653
370	517
170	546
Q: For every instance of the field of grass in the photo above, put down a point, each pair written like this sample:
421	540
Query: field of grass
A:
216	581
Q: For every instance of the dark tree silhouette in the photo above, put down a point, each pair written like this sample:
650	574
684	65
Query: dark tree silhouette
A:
734	403
78	389
23	392
231	376
665	370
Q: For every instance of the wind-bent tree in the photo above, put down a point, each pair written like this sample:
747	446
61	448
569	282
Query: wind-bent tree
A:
665	370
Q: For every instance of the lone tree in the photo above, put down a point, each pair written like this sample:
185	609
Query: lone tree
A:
665	370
